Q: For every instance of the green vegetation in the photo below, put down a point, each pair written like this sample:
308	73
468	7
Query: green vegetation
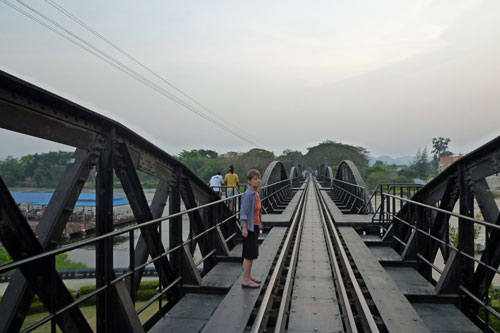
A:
334	153
62	261
440	149
45	170
454	234
34	170
4	256
146	291
38	312
206	163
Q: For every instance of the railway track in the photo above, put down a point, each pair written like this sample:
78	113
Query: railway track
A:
314	275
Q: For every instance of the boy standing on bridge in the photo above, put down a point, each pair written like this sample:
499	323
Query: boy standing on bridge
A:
250	218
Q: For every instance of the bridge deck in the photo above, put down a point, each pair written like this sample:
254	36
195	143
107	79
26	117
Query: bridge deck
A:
314	303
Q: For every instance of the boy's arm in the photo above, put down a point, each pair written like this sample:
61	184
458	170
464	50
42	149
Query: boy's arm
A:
244	214
244	230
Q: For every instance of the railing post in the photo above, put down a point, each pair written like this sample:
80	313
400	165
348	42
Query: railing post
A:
381	214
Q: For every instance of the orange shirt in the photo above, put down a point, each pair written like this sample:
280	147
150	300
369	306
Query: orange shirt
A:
258	206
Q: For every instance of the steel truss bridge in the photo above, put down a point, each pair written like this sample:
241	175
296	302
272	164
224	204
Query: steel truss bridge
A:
333	258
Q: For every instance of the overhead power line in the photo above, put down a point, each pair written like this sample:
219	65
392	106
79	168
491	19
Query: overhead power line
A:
82	43
135	60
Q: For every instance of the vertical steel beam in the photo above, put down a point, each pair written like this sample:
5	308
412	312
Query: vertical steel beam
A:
175	225
104	225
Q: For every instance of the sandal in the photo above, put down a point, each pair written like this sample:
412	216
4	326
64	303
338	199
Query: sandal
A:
250	285
255	280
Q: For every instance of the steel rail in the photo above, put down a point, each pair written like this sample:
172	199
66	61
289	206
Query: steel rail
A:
339	282
366	314
287	290
266	300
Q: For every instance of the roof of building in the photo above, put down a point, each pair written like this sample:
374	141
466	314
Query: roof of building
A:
448	159
43	199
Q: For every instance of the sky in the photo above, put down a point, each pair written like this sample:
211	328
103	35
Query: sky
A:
388	75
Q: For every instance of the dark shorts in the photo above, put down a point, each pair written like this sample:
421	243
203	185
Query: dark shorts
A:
251	245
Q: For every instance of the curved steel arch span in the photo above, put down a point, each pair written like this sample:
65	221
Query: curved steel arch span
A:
326	174
274	172
296	173
348	186
349	179
274	180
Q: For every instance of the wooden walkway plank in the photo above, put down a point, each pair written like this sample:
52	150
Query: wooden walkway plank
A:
444	318
189	315
383	290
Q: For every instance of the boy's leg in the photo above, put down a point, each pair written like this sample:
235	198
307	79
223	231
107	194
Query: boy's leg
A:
247	267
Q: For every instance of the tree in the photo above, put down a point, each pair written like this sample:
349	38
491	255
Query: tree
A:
421	167
290	157
377	177
334	153
11	170
208	153
440	147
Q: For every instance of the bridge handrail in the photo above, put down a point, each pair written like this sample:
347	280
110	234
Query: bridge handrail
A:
347	183
390	186
349	193
16	264
393	214
130	272
464	217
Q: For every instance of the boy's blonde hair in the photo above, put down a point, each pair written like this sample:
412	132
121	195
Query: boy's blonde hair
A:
252	173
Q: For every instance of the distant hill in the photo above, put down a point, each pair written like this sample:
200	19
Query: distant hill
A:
403	160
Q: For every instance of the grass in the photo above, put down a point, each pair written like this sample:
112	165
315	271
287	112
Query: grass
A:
62	261
146	291
89	313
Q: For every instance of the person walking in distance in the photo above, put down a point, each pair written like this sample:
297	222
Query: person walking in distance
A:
216	182
251	223
231	179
